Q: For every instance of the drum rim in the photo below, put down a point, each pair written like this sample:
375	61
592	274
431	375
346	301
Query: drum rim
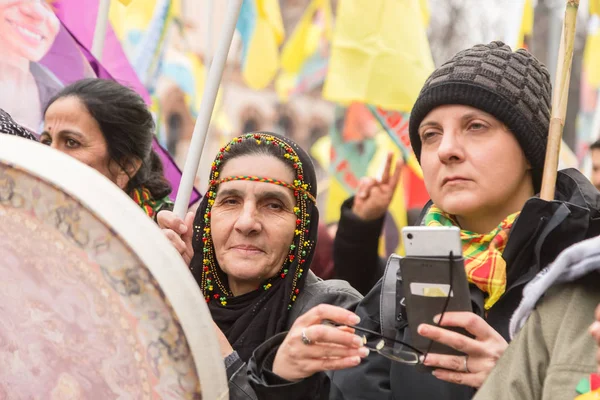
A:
141	235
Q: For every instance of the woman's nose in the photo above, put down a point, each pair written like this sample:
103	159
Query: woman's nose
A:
450	148
247	221
35	9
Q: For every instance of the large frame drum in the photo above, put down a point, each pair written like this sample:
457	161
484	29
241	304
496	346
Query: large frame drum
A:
95	303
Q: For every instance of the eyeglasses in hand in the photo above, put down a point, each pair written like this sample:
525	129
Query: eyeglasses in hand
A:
393	349
397	350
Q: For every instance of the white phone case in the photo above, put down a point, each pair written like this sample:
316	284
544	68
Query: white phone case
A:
431	241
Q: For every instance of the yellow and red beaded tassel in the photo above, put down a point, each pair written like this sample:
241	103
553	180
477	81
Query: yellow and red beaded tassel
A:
211	284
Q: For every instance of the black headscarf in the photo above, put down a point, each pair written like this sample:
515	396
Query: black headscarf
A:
248	320
10	127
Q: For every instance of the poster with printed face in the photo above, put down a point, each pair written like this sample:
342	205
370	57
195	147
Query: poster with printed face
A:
39	57
44	47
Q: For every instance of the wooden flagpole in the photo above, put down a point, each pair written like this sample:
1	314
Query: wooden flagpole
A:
560	97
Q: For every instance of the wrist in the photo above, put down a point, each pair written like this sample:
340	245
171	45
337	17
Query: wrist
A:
283	371
366	215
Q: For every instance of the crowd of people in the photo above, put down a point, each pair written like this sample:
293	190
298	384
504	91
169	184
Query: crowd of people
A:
294	324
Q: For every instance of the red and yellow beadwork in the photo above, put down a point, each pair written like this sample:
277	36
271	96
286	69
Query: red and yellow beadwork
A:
212	286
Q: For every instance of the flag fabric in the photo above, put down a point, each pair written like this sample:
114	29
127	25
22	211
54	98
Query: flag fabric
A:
261	29
142	29
79	17
425	15
595	7
379	54
396	125
590	90
591	53
305	56
358	147
518	24
526	29
189	73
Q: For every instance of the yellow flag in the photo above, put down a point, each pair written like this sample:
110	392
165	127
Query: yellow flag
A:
526	28
304	41
270	12
425	12
595	395
303	44
136	16
595	7
591	58
262	59
380	54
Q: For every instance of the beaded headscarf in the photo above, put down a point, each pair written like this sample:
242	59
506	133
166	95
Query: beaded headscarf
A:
289	280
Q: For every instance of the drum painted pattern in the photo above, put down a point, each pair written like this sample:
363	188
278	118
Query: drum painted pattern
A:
81	316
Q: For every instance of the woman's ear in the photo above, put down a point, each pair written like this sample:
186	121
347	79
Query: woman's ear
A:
122	175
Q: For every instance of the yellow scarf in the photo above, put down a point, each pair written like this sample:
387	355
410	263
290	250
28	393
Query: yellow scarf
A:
482	253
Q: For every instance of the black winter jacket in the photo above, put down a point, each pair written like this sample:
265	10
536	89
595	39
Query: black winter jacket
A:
316	291
355	250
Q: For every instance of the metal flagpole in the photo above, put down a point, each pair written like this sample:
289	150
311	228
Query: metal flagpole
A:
209	35
206	108
100	29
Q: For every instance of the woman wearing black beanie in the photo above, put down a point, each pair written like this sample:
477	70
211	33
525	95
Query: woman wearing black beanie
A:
479	129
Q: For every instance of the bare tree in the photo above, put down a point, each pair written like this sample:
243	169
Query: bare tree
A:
459	24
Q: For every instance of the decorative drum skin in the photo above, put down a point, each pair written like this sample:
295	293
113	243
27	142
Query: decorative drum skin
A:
94	301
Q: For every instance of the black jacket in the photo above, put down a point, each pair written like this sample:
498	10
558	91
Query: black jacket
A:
355	250
541	232
316	291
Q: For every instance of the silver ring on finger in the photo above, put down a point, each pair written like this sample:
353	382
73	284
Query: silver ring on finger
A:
305	338
466	367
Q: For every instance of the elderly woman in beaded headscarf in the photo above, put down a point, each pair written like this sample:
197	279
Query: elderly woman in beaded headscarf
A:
251	245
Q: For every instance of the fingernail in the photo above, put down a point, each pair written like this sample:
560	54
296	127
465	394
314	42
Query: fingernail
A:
363	352
434	373
356	360
354	319
182	228
595	327
436	319
421	359
357	341
422	329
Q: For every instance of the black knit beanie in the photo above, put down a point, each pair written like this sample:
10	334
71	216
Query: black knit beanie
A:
514	87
